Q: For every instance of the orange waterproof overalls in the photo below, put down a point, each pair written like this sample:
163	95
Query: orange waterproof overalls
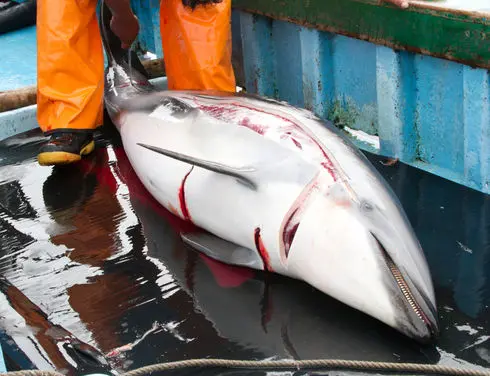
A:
70	63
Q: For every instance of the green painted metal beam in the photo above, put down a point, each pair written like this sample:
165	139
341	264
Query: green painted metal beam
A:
449	34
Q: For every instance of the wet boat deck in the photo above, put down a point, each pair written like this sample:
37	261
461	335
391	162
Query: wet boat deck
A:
87	251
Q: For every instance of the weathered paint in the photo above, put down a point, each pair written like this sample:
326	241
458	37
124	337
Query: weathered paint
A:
476	120
17	121
262	80
396	104
317	87
451	34
288	70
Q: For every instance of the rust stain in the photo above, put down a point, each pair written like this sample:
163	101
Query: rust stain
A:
389	162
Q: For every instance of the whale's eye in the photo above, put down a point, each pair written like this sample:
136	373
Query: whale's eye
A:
366	206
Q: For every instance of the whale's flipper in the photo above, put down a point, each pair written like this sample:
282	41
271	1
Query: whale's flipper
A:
239	173
223	250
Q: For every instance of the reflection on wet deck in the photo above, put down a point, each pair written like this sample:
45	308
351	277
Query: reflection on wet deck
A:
91	261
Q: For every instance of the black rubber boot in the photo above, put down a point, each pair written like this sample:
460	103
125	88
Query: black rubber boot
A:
64	148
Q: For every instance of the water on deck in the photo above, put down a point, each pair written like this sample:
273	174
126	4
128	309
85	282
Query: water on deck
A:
85	251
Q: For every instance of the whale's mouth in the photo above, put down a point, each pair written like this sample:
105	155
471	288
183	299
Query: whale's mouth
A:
414	299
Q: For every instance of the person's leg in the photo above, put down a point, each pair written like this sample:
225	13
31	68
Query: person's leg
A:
70	83
197	45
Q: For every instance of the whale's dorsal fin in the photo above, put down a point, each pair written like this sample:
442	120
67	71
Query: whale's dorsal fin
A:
239	173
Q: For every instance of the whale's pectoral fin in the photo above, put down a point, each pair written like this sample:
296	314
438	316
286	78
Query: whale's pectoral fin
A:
239	173
223	250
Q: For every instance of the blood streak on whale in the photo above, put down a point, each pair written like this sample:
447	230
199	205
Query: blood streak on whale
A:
229	114
260	129
219	112
183	204
137	83
289	231
293	217
262	251
297	143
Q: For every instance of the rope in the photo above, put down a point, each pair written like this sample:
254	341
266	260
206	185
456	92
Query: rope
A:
315	363
33	372
354	365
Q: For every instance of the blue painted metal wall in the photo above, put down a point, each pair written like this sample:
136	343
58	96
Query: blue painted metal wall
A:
428	112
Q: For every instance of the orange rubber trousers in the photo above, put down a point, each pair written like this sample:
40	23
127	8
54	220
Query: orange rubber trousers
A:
70	63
